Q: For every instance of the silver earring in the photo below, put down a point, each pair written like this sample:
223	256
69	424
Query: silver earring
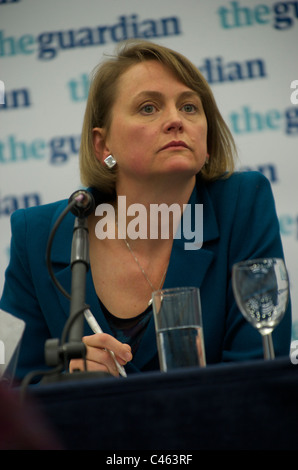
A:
110	161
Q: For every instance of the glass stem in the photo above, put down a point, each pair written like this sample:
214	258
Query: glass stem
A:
268	346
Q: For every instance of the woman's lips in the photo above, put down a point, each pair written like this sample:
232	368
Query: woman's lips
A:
175	143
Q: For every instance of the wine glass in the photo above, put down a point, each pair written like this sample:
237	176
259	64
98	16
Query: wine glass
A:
261	289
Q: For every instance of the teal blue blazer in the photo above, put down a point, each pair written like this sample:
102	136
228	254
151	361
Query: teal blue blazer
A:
239	222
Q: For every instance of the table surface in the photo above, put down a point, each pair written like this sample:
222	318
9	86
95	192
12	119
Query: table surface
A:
251	405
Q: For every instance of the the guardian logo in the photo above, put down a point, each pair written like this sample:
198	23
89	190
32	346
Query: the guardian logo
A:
48	44
280	15
2	92
247	120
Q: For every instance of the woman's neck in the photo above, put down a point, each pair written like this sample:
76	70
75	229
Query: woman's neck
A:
151	213
157	191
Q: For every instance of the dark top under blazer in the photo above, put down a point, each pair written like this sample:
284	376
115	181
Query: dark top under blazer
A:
240	222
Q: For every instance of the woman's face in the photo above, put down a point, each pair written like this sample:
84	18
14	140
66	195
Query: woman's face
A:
158	124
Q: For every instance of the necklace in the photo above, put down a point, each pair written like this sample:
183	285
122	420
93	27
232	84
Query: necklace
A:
143	271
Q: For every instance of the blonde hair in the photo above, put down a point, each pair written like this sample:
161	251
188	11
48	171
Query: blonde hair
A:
102	96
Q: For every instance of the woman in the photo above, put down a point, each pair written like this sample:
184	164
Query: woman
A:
152	134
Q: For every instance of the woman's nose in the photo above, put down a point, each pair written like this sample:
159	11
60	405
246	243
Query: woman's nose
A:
173	121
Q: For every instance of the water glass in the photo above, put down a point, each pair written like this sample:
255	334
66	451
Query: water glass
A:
179	328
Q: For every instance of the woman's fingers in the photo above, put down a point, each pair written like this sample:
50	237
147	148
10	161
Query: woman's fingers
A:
105	341
98	356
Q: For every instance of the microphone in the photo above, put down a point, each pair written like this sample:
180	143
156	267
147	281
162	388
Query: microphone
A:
83	203
58	352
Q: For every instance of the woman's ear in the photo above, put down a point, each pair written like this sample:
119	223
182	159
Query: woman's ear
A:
100	149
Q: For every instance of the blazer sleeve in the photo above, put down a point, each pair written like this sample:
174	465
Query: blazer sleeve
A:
255	233
19	298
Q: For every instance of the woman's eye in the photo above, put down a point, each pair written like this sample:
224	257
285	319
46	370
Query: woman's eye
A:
189	108
148	109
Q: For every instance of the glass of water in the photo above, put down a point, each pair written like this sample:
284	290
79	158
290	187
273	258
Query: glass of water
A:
179	328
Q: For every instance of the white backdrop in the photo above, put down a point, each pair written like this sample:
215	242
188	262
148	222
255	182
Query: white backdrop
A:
247	50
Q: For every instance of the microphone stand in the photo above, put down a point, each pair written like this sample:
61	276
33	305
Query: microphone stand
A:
59	354
79	268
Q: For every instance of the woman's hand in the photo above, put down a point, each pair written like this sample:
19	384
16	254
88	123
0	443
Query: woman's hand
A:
98	357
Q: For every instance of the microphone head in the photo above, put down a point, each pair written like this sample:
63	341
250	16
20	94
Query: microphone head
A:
84	203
